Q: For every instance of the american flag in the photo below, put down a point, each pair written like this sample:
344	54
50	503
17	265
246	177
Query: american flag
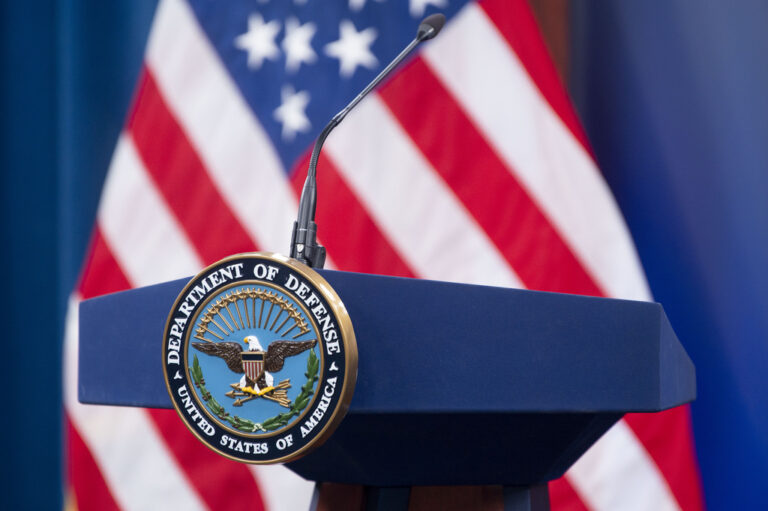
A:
468	165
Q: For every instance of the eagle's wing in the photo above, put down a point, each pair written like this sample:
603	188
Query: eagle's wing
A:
229	351
278	351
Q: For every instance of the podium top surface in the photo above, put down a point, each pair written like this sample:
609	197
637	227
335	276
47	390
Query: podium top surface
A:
433	347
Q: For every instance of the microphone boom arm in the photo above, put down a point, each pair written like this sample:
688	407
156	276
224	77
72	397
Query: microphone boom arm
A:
304	245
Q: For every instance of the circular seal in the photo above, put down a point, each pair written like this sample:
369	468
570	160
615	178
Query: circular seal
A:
260	358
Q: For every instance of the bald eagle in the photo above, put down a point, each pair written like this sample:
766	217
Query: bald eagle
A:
274	358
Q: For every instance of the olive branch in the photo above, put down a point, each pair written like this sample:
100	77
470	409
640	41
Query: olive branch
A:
271	424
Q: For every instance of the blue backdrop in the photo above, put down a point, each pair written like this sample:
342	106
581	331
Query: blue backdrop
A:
673	98
69	68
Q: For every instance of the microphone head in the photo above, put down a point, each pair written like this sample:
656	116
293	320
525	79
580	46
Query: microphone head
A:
430	27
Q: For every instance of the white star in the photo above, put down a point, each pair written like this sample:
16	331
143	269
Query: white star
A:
296	44
352	48
291	112
357	5
417	7
259	41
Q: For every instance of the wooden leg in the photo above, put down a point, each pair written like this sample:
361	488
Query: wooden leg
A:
332	497
456	498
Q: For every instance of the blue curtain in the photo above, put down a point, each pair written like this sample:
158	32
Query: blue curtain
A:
69	69
673	96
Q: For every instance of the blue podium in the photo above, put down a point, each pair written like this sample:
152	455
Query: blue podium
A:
458	385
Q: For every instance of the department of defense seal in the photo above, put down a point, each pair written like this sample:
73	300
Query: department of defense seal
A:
260	358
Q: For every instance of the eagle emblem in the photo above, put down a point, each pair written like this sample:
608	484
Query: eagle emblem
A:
256	366
259	358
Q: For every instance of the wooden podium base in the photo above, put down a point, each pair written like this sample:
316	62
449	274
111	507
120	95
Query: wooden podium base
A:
332	497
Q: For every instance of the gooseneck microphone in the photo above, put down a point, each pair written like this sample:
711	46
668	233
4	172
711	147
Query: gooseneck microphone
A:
304	246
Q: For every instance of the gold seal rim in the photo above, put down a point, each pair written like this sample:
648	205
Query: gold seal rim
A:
347	337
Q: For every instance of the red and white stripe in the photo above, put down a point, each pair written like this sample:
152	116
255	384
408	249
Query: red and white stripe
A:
505	192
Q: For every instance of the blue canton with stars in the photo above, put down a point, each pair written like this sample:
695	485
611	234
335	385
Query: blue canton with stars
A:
298	62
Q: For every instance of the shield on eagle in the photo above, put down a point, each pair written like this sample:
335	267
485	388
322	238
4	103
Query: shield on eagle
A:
253	364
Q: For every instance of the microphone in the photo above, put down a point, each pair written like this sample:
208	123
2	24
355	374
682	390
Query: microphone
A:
304	246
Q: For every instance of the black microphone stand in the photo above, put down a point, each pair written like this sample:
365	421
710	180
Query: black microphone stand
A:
304	245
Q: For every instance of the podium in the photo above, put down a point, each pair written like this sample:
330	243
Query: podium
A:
458	385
